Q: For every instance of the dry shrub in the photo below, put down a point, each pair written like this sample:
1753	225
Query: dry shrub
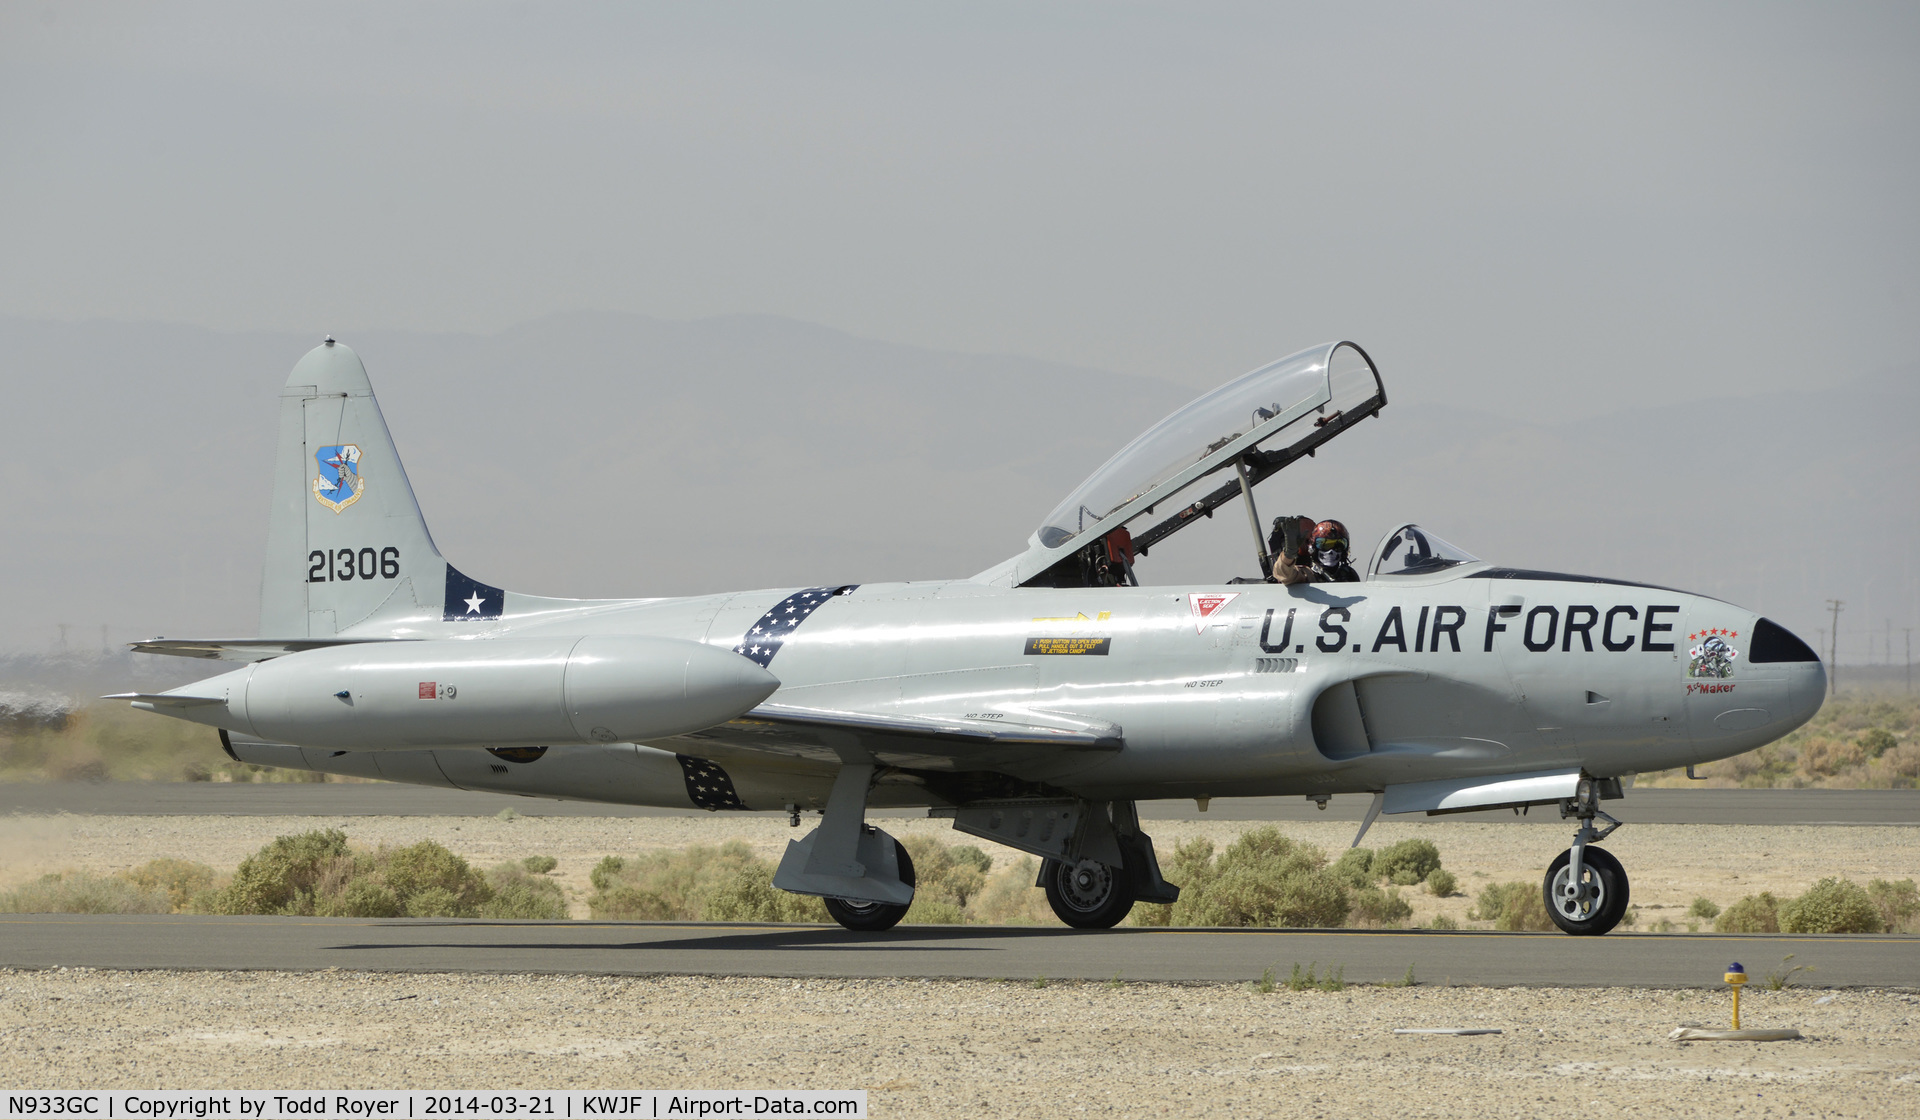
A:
1826	757
1513	906
749	895
1899	767
1407	863
77	892
1756	913
1442	883
181	880
1704	908
282	877
1373	908
1831	906
1876	742
670	886
945	880
1009	898
1898	903
1355	867
520	893
1262	879
315	874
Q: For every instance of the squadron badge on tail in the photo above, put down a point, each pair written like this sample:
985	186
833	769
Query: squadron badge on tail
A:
339	484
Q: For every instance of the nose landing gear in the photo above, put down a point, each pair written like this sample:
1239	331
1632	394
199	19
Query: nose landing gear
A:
1586	888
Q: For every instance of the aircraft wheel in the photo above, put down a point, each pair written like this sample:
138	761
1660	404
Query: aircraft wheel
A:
1600	906
1087	895
873	917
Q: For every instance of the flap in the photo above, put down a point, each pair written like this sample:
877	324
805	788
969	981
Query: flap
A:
935	742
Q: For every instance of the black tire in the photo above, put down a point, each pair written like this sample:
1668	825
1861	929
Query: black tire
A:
1087	895
1596	916
874	917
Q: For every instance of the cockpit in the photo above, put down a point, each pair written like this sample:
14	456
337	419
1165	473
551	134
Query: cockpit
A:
1210	453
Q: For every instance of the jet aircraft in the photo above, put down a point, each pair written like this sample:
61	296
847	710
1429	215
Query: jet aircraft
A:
1033	704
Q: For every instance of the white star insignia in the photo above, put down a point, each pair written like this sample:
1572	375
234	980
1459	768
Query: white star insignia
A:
474	604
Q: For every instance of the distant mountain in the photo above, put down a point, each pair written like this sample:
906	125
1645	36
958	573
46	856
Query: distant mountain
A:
601	455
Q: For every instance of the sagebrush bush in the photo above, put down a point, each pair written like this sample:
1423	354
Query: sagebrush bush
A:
539	865
1262	879
1831	906
281	878
669	885
1373	908
1703	908
315	874
1512	906
1407	863
1756	913
1898	903
1355	867
1877	741
748	895
182	880
77	892
943	882
520	893
1441	883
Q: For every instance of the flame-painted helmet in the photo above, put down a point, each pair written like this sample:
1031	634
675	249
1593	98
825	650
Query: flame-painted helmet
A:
1330	543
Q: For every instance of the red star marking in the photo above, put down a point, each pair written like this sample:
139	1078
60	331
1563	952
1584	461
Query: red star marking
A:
1734	634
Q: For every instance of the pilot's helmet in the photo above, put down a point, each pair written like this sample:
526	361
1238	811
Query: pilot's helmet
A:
1330	543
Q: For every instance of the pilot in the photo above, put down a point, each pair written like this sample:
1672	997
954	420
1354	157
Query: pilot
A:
1330	545
1310	553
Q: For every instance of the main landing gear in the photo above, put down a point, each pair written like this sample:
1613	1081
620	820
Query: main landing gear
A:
873	917
1086	894
1585	887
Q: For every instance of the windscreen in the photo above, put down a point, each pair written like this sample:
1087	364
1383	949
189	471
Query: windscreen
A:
1412	551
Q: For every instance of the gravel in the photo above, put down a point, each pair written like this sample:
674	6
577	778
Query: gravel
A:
941	1048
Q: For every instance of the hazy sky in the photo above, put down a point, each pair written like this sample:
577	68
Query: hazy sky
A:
1576	217
1547	210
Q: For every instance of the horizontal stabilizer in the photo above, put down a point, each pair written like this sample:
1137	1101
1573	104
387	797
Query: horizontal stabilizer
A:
242	649
166	699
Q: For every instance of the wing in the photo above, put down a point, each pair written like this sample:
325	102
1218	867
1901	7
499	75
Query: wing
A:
913	741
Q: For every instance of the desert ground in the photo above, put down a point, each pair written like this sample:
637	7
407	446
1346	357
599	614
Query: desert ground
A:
945	1048
940	1048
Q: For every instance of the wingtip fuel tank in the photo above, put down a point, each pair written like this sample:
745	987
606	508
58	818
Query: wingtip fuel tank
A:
451	693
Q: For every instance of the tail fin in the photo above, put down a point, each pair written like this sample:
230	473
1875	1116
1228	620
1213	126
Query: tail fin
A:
346	543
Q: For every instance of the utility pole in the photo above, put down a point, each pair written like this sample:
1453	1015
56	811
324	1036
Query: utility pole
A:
1909	659
1833	649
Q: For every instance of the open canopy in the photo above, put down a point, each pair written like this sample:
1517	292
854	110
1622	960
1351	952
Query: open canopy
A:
1249	428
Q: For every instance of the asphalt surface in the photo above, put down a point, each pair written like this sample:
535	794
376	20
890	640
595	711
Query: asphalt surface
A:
373	799
1003	953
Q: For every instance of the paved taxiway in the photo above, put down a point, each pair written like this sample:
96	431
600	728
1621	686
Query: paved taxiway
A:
1014	953
272	799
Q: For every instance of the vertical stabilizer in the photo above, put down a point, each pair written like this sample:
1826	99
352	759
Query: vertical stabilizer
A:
346	543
